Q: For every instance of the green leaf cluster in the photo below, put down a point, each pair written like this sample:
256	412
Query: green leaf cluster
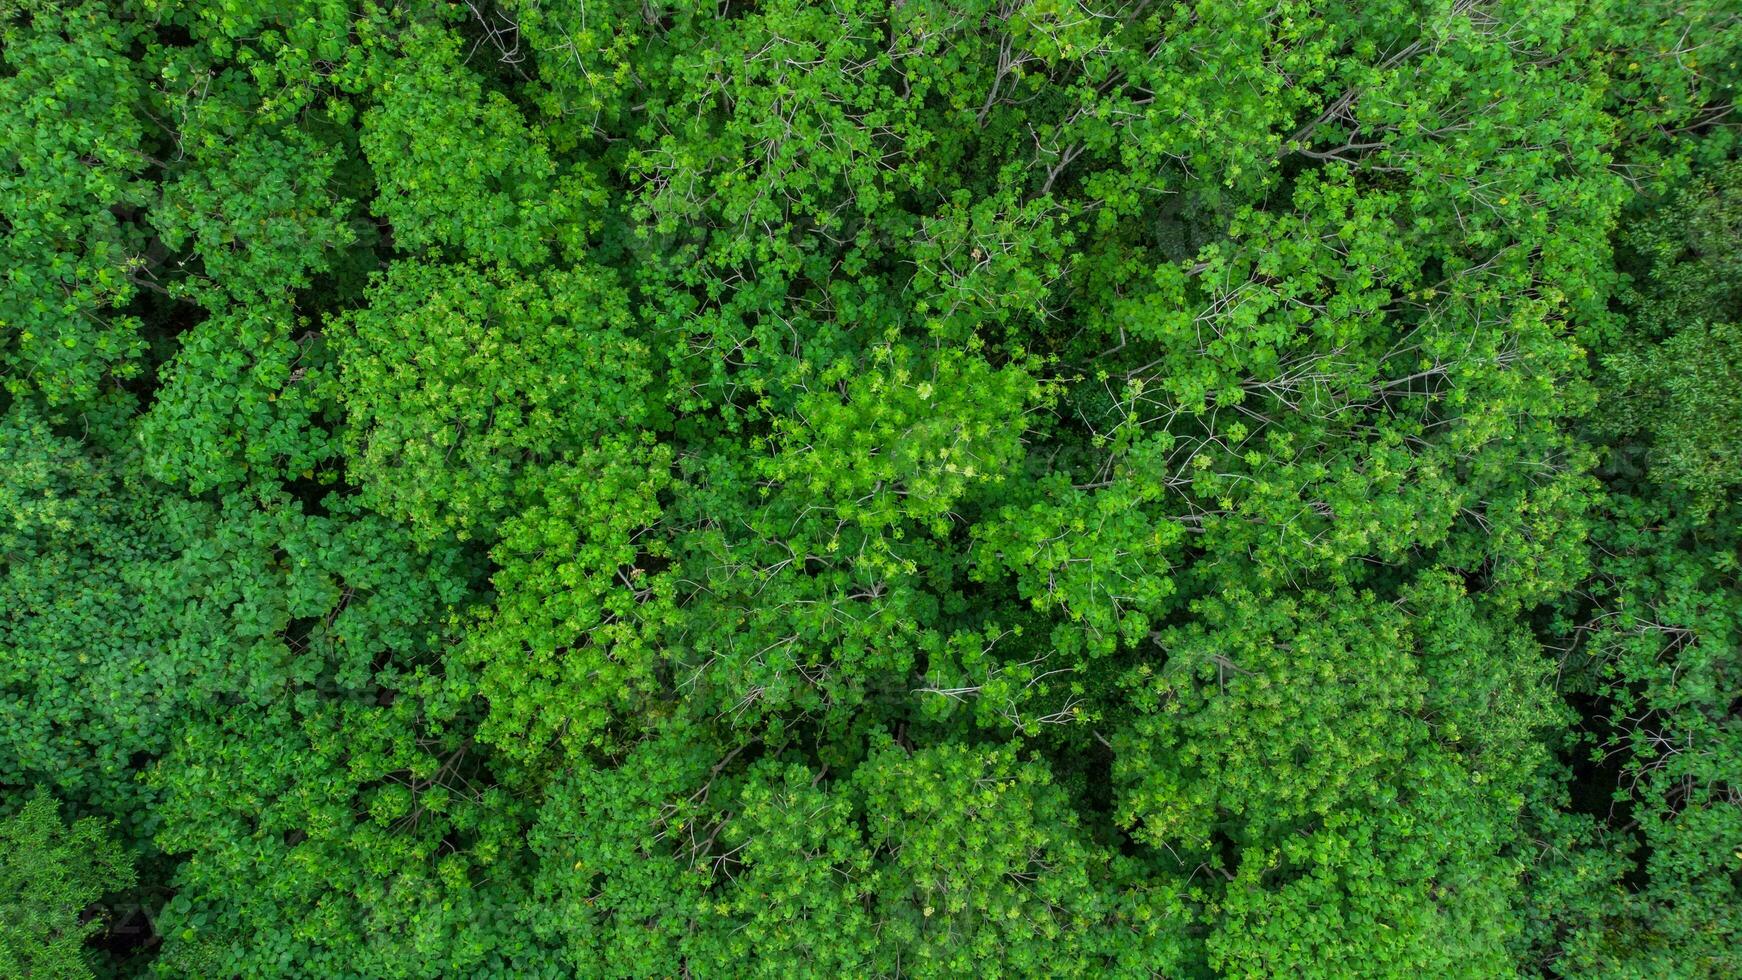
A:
870	487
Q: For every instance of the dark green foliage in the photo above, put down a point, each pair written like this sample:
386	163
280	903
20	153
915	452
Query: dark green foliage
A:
256	211
1676	405
862	488
83	675
1664	612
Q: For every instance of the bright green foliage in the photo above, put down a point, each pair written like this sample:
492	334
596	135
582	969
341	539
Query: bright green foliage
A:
986	871
458	167
869	488
930	863
1671	70
820	559
509	373
50	873
573	639
894	444
70	153
241	401
804	879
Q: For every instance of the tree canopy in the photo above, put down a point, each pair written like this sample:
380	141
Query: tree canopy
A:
864	488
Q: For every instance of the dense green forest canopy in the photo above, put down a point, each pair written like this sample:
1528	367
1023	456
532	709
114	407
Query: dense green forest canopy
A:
870	488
